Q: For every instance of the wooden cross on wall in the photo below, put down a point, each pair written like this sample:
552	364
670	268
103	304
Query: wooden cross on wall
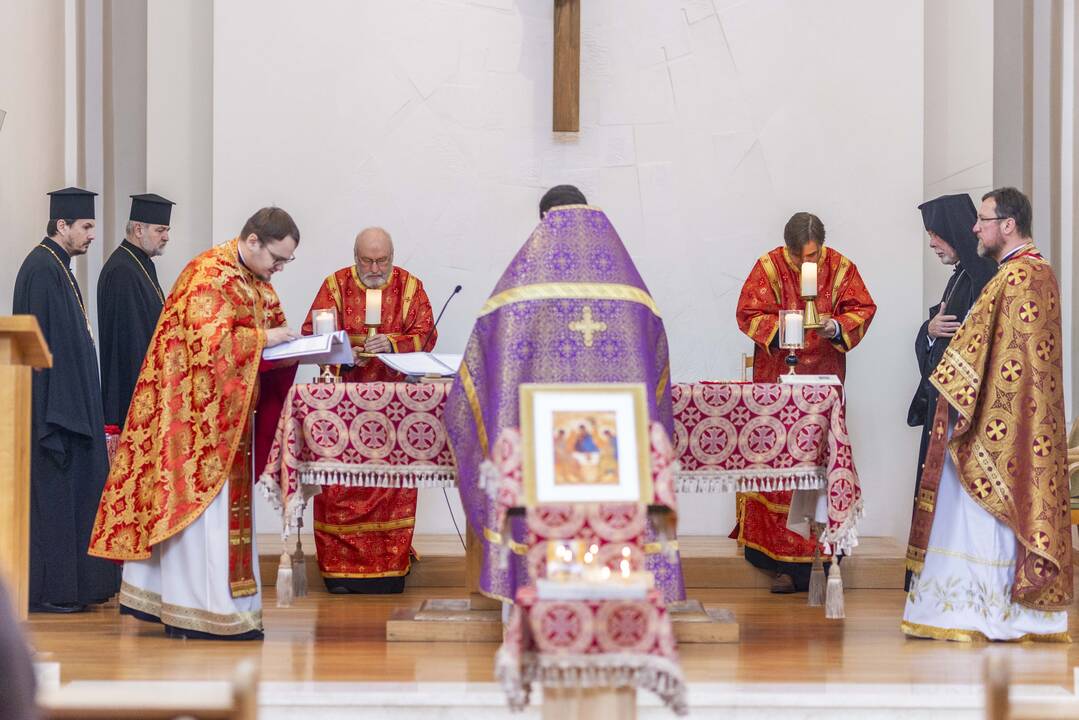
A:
567	66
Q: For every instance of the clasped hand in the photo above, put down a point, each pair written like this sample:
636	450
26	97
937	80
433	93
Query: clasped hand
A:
943	326
376	344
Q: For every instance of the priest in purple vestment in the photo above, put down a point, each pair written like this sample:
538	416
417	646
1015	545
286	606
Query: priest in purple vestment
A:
570	308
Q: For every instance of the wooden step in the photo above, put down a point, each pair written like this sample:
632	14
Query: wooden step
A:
707	562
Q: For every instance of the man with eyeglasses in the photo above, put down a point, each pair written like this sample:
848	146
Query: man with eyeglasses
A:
177	507
990	541
364	535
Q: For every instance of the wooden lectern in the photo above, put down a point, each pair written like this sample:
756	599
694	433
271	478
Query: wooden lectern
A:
21	347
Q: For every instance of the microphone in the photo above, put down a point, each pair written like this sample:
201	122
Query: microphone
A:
440	312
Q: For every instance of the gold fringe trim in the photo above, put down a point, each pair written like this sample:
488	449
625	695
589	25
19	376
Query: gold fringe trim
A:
781	558
360	576
970	636
366	527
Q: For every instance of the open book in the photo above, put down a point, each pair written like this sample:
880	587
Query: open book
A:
333	349
421	364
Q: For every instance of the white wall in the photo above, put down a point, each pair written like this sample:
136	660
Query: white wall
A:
704	126
32	136
179	124
958	112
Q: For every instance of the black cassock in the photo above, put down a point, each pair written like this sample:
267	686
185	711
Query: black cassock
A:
951	217
129	302
68	463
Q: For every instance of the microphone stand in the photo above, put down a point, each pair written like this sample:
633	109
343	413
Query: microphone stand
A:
457	289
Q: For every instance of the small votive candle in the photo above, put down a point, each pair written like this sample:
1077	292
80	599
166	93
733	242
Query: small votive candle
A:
324	323
624	565
809	279
373	307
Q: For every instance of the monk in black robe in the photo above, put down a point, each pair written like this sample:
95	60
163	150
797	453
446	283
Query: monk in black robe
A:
129	302
949	220
68	464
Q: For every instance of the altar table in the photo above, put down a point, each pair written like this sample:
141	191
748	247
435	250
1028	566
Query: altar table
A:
745	437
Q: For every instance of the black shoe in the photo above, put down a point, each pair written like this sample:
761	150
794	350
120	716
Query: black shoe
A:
783	584
183	633
60	608
365	586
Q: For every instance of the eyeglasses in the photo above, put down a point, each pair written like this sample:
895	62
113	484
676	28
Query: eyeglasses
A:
985	219
381	262
277	259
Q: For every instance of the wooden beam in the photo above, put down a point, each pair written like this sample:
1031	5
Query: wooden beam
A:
567	66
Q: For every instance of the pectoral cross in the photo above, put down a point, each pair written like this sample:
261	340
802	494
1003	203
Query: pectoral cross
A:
567	66
587	326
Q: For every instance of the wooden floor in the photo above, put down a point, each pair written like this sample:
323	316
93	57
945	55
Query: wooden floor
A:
340	638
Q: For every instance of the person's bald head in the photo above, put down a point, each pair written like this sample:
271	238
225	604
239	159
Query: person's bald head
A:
374	256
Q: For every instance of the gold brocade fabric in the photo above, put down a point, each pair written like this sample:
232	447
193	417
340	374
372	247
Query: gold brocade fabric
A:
1002	374
190	406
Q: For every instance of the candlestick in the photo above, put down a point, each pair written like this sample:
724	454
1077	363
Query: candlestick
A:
809	279
373	308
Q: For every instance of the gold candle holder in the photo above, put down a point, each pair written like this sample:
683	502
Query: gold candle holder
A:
372	330
812	317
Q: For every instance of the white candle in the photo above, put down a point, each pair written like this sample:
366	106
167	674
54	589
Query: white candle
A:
324	324
373	309
792	328
625	568
809	279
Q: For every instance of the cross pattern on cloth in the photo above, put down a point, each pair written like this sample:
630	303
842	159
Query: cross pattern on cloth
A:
745	437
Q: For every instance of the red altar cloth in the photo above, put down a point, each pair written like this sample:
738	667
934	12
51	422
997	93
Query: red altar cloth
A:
590	643
745	437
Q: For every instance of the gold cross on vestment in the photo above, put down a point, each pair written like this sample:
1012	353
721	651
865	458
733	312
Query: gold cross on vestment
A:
587	326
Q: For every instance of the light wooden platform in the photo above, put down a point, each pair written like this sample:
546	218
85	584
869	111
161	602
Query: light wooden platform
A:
707	562
342	638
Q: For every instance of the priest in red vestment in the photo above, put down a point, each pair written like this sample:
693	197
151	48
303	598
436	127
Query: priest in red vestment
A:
364	535
774	284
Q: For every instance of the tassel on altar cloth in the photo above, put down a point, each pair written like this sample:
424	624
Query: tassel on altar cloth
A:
816	581
833	601
284	581
299	566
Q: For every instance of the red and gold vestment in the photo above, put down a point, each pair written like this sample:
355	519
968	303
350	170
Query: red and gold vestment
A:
188	427
364	534
774	284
